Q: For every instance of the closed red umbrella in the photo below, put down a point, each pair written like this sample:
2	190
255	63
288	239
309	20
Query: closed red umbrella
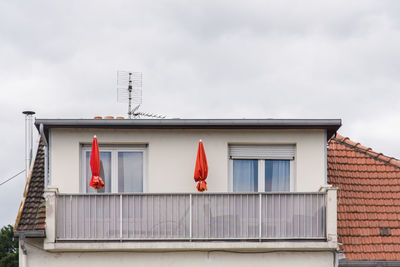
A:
201	169
96	181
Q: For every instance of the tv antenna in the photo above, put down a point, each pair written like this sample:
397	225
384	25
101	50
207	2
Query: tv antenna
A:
129	87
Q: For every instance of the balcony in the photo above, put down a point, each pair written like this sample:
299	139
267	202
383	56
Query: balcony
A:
191	217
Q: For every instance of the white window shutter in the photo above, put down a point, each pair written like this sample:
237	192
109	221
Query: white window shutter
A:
262	152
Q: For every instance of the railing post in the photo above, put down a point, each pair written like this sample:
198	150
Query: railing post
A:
120	217
260	217
190	217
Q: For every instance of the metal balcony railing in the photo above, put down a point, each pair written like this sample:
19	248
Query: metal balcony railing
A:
210	216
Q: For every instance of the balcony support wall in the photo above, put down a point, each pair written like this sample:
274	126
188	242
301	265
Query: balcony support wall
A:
50	195
331	215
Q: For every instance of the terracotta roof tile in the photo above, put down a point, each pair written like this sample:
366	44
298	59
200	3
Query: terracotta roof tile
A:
368	200
32	213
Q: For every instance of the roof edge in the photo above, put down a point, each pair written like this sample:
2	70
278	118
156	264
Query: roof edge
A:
331	125
27	183
366	150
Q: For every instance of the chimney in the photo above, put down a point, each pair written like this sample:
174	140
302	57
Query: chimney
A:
28	139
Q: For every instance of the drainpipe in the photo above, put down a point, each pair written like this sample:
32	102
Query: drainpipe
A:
28	139
325	158
22	244
335	259
46	155
23	256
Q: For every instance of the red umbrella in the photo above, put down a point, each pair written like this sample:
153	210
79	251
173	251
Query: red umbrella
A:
201	169
96	181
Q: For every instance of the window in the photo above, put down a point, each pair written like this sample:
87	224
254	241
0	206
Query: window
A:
122	169
245	175
264	168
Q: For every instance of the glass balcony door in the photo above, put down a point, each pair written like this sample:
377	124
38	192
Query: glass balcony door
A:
122	170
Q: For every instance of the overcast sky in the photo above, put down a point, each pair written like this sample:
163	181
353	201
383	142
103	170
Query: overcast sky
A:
200	59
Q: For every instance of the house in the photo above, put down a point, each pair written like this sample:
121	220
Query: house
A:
368	203
268	201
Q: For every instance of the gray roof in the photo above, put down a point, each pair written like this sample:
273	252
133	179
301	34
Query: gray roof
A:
331	125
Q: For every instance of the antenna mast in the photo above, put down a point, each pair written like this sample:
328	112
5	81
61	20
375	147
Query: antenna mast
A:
130	96
129	86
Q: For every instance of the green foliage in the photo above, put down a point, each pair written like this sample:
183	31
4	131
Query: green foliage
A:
8	247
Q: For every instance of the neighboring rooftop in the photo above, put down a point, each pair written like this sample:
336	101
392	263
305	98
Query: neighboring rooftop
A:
331	125
368	201
32	213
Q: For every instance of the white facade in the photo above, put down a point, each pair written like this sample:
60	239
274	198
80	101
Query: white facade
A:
171	155
168	168
38	257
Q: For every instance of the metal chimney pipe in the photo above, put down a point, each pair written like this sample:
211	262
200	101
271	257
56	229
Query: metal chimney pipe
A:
28	139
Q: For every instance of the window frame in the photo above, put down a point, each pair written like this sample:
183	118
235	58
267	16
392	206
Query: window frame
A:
261	171
114	149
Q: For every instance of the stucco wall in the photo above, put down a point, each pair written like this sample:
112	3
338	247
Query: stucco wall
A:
171	155
38	257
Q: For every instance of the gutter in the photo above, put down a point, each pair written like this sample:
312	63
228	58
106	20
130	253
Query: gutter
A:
345	263
330	125
30	233
306	123
22	234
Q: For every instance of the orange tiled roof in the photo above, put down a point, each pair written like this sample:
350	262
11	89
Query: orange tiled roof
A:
368	200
